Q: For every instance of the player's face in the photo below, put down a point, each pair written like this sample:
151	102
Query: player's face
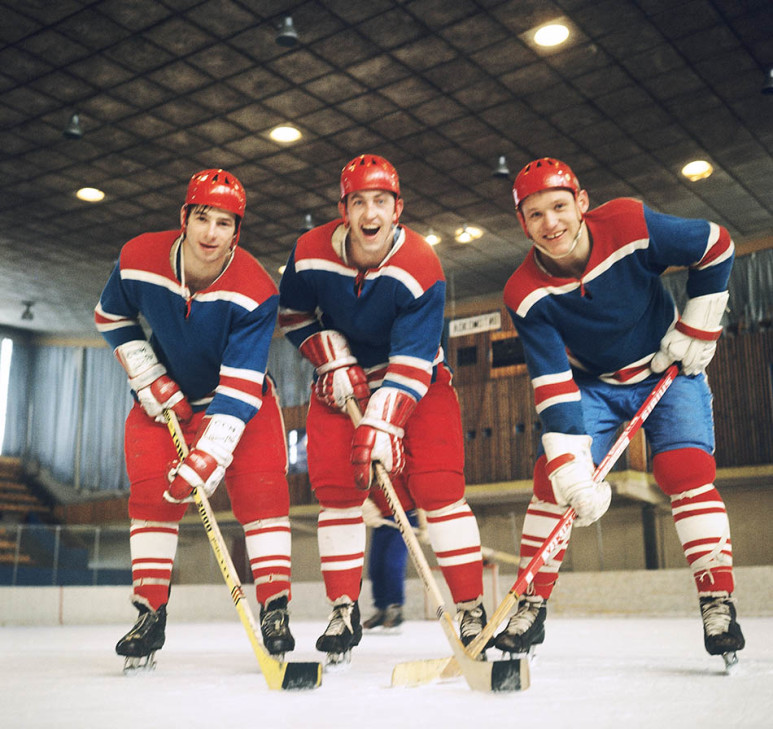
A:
209	234
553	218
372	215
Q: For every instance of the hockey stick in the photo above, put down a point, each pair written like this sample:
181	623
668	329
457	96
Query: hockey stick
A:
506	675
405	673
278	675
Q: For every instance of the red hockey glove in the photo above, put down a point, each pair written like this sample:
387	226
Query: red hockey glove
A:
379	436
693	340
339	377
205	466
570	470
155	390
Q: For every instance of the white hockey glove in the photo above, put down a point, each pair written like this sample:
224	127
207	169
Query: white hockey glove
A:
693	340
147	377
205	466
339	377
570	469
379	436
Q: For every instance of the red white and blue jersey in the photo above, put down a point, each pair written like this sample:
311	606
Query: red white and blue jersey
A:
215	343
608	324
392	315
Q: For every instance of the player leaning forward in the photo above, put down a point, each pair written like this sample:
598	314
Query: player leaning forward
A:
596	324
363	299
212	311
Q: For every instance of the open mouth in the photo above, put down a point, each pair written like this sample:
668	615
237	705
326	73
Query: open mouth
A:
370	231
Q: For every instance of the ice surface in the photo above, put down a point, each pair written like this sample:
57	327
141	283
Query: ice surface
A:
613	672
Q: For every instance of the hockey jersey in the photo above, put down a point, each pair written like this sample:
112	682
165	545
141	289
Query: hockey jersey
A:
392	315
215	343
609	323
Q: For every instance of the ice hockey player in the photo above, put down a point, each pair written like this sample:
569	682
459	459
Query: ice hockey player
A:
362	297
212	310
597	325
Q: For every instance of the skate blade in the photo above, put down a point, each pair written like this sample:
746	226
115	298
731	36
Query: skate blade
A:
731	662
338	662
138	665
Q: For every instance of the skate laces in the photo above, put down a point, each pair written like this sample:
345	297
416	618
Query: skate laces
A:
472	622
274	621
340	620
524	617
716	614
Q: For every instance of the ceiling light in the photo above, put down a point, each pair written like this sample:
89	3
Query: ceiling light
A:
501	170
551	35
281	269
90	194
308	223
697	170
286	36
432	237
27	314
73	129
285	134
767	87
467	233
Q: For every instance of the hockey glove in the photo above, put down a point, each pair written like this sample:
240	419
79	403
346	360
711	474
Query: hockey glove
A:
339	377
570	470
155	390
204	467
379	436
693	340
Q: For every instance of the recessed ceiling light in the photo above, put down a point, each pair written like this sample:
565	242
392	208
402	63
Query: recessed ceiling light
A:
432	238
699	169
551	35
285	134
467	233
90	194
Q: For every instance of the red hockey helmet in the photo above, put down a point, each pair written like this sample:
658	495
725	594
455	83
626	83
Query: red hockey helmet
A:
219	189
369	172
542	174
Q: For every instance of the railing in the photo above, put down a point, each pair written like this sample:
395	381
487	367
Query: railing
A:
56	555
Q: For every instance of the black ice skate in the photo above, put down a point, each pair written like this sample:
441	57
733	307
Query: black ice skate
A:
472	620
140	644
388	620
525	629
341	635
722	635
275	627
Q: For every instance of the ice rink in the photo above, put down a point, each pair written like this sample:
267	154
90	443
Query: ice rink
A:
595	672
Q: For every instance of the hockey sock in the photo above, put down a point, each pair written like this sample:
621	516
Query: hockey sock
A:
453	532
268	549
341	539
153	545
541	519
687	475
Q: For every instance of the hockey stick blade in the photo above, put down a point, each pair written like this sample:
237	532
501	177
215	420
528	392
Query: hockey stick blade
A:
278	674
414	673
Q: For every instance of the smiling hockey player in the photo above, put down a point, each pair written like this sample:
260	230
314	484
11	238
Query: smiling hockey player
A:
596	324
363	299
212	311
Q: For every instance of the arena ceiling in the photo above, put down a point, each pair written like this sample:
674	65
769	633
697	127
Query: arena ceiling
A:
442	88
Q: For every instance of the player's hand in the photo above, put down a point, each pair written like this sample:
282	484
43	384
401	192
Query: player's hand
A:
693	340
339	376
371	514
379	435
205	466
570	470
156	391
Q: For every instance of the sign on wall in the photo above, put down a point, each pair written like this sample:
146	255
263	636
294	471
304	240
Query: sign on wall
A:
475	324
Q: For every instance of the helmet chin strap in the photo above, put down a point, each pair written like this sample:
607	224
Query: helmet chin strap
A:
571	248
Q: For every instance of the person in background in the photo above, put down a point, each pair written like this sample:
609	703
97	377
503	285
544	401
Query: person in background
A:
363	297
597	327
211	309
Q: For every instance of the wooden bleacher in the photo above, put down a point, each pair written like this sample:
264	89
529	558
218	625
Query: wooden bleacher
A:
16	499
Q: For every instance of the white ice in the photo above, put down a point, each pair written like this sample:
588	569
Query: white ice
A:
596	672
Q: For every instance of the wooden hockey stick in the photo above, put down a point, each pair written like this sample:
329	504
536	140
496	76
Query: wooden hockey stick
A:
506	675
278	674
407	673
